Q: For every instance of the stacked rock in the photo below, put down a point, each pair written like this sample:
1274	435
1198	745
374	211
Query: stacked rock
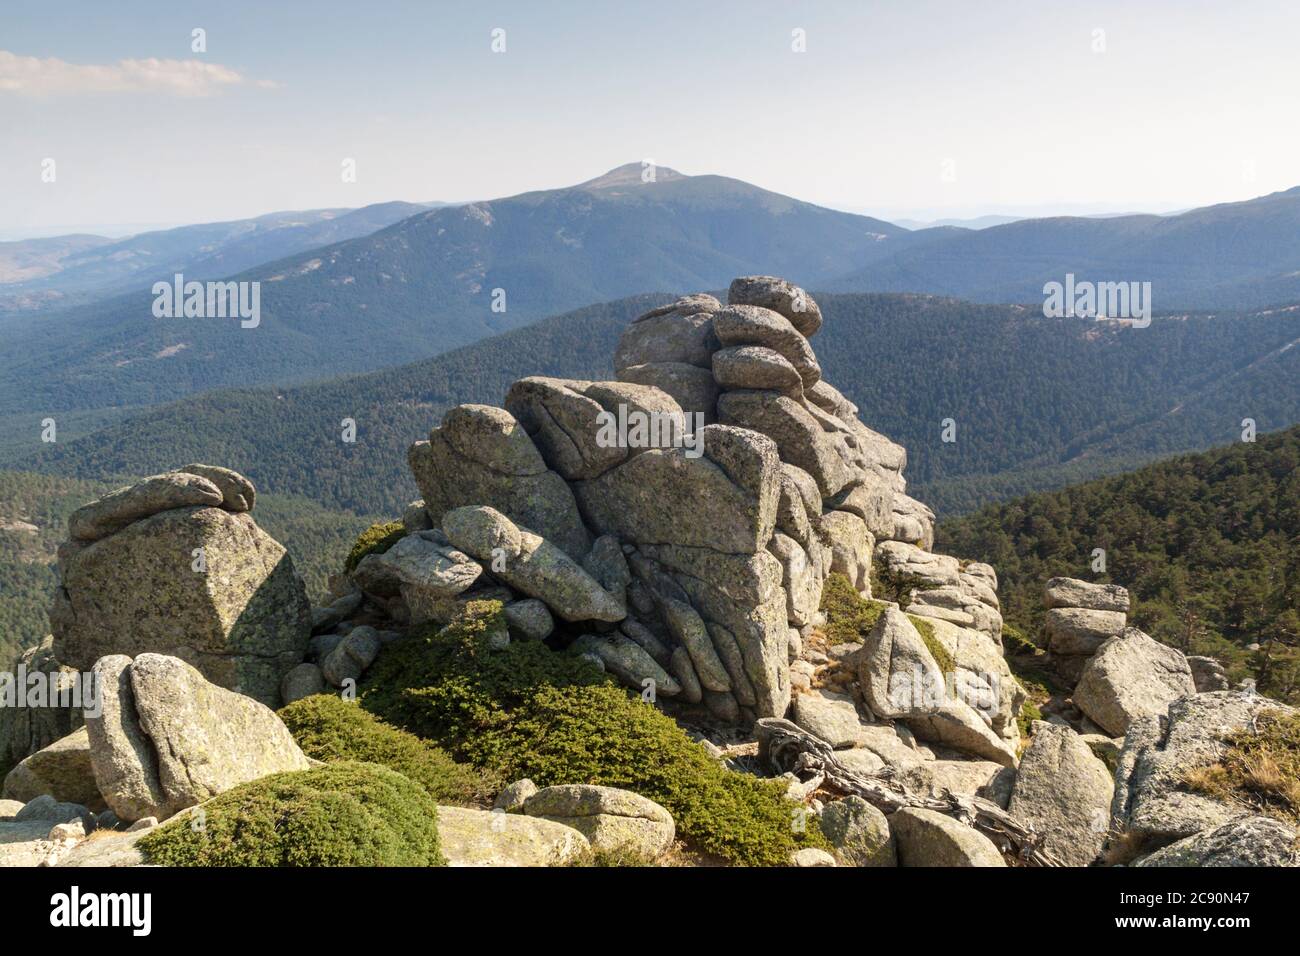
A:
694	561
176	564
1080	617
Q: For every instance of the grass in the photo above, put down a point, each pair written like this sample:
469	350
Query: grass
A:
1259	768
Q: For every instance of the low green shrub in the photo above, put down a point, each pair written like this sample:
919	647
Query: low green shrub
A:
376	539
527	711
331	729
343	814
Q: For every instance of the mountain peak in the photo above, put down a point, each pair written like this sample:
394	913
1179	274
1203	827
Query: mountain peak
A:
631	174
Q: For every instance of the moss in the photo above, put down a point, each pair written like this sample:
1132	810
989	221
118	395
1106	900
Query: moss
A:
1014	642
1259	768
344	814
942	656
331	729
849	616
527	711
376	539
1029	712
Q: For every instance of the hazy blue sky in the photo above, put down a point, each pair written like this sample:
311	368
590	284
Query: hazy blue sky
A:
1189	103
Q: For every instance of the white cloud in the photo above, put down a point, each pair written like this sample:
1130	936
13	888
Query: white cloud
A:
50	76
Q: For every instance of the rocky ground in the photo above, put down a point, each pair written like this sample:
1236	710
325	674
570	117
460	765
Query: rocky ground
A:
716	532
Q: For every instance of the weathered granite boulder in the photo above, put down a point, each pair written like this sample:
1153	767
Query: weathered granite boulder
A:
753	325
1131	676
539	570
780	296
481	455
61	770
900	679
628	661
116	510
756	367
610	819
691	387
168	739
237	492
1064	792
200	583
930	838
568	421
800	438
496	838
25	730
669	336
1207	674
1250	841
723	500
1071	592
1153	805
1073	631
859	832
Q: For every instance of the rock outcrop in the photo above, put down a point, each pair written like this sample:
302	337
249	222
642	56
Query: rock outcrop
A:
1153	804
1080	617
176	564
1132	676
167	739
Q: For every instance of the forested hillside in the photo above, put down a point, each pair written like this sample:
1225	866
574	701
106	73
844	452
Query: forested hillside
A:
1208	546
1036	403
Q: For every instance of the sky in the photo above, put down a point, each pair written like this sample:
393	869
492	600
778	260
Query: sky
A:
914	109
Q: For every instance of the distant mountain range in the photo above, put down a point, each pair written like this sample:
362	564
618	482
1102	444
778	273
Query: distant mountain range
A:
426	284
63	270
1230	256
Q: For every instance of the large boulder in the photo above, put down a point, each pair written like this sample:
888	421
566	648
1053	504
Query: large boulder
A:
1073	631
780	296
691	387
566	419
1131	676
167	739
481	455
25	730
859	832
901	679
1071	592
754	325
201	583
62	770
610	819
113	512
669	334
1153	805
800	438
756	367
1064	792
496	838
1250	841
930	838
540	569
723	499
